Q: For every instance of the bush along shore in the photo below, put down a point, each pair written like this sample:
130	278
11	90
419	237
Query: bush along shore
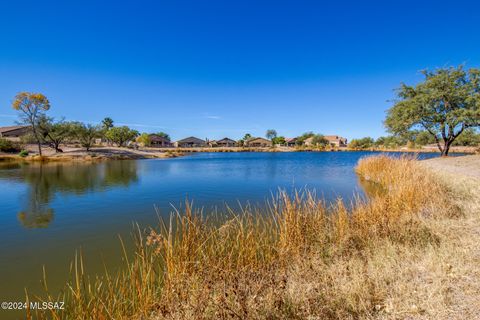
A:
378	258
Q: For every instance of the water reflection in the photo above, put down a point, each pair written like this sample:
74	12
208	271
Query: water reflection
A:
87	205
371	189
46	180
36	218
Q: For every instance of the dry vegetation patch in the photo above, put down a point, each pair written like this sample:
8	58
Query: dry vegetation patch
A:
389	257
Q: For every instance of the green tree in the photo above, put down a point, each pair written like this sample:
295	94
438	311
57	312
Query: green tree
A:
360	144
303	137
319	140
144	139
54	133
445	104
86	134
8	146
121	135
380	142
389	142
469	138
278	140
423	138
271	134
245	138
32	106
107	123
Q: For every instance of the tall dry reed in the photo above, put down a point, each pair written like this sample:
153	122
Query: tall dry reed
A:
297	258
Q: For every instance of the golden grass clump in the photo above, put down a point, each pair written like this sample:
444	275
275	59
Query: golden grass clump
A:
297	258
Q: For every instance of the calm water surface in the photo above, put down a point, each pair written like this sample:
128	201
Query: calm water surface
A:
49	211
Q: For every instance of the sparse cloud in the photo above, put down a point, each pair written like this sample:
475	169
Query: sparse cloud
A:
213	117
140	125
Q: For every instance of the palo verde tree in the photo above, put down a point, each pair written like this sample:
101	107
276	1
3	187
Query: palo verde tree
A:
54	133
86	134
445	104
121	135
144	139
32	106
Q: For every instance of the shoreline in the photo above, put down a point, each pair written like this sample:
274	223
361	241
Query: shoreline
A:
94	155
396	256
117	153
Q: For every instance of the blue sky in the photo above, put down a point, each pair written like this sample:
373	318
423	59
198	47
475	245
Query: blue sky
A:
224	68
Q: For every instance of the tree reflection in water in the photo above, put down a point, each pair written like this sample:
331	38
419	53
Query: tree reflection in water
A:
45	180
36	219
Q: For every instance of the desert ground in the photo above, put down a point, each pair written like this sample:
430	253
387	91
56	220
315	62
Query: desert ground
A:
456	272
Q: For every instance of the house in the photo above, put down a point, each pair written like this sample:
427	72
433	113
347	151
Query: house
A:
190	142
337	141
226	142
14	132
308	142
334	141
258	142
159	141
291	142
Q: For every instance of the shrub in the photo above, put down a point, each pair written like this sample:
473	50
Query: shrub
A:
319	140
8	146
360	144
23	153
144	139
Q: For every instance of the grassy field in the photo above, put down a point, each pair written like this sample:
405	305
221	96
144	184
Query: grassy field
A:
395	256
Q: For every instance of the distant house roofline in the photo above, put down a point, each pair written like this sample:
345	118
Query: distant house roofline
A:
158	137
12	128
258	138
334	137
191	139
226	139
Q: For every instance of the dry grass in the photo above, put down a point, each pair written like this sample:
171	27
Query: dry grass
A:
299	259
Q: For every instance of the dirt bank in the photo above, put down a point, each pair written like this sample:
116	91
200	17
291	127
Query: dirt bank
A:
95	154
460	167
459	252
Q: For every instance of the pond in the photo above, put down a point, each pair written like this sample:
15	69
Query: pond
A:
48	211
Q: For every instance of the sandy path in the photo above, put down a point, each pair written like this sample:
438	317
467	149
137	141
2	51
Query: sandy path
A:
461	248
466	166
